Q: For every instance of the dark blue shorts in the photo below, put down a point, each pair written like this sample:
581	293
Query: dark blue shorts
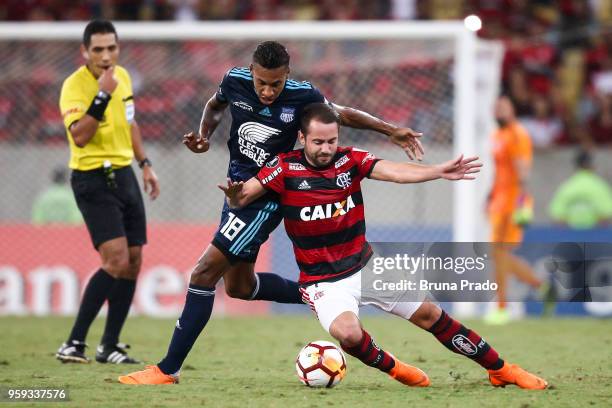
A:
242	231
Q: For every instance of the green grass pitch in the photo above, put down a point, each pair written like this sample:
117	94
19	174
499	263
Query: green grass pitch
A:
249	362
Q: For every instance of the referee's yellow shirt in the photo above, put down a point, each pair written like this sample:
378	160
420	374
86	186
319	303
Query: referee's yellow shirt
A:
113	139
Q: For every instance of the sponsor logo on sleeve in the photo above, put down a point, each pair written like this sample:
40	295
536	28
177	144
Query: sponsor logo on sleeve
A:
271	176
243	105
341	161
71	111
369	156
296	166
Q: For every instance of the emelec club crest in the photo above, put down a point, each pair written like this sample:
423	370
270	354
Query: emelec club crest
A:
287	114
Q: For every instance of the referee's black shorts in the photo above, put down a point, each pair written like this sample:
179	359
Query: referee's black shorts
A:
111	212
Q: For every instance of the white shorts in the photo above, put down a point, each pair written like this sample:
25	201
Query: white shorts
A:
330	299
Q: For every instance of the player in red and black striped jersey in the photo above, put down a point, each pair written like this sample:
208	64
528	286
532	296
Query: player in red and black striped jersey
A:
321	202
322	208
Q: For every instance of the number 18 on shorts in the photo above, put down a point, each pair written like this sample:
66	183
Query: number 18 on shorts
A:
242	231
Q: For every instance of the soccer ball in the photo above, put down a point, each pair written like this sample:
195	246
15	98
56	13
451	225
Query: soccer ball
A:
320	364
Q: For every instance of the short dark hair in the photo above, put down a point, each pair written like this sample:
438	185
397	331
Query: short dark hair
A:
98	27
271	54
583	160
322	112
59	175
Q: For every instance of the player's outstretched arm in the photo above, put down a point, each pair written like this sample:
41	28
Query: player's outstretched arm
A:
456	169
405	138
213	112
240	193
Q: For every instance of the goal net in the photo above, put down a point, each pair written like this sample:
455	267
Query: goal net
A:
434	77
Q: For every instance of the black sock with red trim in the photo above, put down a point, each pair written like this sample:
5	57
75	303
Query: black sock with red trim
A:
369	353
461	340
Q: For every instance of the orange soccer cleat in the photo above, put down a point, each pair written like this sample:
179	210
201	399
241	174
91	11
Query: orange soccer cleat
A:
409	375
513	374
151	375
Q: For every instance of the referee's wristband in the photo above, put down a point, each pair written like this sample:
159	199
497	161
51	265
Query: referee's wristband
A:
98	105
145	162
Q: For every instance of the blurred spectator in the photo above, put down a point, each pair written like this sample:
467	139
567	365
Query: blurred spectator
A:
262	10
585	199
404	9
518	91
539	57
518	16
56	204
543	127
576	22
340	9
189	10
306	10
599	54
556	71
222	9
599	62
185	10
600	126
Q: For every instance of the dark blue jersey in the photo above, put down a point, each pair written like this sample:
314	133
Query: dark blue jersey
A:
260	132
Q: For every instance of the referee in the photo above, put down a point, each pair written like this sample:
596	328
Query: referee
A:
97	106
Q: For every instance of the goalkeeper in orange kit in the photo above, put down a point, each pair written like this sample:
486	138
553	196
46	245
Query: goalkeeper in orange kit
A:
509	206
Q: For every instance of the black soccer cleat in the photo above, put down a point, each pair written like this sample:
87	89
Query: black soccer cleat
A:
72	351
114	354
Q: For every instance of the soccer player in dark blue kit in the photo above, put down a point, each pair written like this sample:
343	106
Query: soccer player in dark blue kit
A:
266	109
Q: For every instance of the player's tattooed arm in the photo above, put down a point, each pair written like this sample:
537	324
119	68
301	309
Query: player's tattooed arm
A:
405	138
456	169
213	112
240	193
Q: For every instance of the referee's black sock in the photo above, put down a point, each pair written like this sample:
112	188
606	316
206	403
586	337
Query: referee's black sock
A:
276	289
119	301
96	292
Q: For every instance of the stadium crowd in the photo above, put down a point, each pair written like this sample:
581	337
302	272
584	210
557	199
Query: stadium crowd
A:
557	67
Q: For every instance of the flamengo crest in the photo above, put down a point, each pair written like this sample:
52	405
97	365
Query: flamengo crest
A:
343	180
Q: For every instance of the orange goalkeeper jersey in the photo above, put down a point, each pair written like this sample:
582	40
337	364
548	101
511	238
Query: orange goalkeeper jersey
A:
509	144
